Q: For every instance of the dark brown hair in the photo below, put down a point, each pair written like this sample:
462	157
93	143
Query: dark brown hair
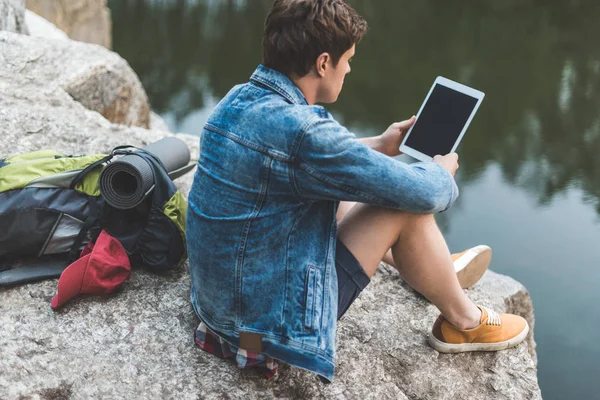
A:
298	31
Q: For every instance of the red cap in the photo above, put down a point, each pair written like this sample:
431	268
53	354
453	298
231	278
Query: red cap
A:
97	272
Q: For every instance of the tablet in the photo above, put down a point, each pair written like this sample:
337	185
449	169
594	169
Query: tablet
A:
442	120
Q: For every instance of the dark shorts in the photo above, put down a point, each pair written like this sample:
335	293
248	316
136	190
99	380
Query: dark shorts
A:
352	278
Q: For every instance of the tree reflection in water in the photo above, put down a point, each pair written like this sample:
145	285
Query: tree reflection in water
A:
536	61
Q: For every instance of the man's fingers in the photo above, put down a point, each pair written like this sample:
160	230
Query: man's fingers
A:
449	162
405	124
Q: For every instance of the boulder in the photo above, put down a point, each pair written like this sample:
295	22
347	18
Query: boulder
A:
97	78
138	341
83	20
34	115
12	16
158	123
40	27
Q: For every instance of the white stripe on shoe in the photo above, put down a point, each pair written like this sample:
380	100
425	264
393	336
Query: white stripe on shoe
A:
464	260
471	266
469	256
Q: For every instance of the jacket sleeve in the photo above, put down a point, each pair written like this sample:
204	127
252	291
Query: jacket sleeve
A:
331	164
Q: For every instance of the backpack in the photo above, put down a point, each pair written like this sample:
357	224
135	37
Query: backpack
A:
51	206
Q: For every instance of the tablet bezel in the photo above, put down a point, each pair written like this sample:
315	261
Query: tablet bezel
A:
459	87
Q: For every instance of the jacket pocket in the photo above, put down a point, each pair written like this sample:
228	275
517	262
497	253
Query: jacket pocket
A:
313	296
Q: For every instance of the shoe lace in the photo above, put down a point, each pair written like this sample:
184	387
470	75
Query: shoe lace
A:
493	318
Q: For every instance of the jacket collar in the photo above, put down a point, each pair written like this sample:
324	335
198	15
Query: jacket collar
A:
279	83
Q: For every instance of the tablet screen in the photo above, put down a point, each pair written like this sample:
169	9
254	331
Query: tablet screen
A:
441	121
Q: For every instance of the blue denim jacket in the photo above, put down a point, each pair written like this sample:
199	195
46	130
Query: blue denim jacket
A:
261	226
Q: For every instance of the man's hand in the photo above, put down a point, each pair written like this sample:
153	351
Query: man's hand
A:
449	162
389	141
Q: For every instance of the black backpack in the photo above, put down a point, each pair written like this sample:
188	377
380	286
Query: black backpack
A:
51	206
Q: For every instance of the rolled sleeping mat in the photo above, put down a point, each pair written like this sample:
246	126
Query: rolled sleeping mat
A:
172	152
125	183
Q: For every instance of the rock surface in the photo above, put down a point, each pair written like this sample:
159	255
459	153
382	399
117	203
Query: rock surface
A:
12	17
82	20
100	80
43	28
137	342
158	123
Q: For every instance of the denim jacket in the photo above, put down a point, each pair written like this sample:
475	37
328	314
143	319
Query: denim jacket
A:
261	226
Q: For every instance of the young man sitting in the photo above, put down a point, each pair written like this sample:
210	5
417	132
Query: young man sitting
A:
275	258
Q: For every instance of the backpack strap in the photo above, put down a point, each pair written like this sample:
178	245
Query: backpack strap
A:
35	271
88	169
89	222
162	184
116	151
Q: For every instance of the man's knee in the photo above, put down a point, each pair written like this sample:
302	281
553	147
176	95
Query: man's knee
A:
343	209
371	215
416	220
401	214
404	220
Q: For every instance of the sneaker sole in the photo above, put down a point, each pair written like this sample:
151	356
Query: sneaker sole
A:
476	262
443	347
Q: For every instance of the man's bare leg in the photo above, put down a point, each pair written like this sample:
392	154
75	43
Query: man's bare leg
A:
419	252
343	209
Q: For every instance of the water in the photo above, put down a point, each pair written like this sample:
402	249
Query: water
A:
530	173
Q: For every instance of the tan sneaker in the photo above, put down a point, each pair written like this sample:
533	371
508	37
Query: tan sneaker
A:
495	332
471	264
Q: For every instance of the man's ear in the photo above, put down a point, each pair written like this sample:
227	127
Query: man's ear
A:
321	64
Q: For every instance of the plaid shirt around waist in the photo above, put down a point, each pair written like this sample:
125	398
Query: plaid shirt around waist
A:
213	344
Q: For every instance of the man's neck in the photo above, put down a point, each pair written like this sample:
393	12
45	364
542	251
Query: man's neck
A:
308	85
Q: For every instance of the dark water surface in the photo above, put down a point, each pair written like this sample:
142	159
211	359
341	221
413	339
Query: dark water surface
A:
530	169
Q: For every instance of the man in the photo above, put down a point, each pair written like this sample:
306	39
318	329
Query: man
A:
271	269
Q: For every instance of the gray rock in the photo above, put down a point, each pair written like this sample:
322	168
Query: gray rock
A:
40	27
99	79
138	342
158	123
12	16
83	20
